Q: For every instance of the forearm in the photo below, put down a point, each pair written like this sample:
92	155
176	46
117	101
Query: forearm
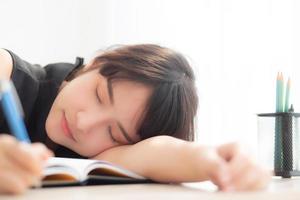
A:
162	158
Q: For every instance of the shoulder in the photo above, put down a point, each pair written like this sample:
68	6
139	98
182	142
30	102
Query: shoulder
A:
59	69
6	64
18	69
62	70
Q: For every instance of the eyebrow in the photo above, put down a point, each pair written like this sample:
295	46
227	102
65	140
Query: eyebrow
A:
111	99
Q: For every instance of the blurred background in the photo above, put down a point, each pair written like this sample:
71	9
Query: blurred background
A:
236	47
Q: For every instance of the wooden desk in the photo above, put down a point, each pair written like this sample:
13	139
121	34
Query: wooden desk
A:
278	189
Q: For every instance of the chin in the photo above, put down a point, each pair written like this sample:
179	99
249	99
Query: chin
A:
88	154
54	138
85	154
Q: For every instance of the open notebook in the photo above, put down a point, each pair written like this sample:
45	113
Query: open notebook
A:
70	171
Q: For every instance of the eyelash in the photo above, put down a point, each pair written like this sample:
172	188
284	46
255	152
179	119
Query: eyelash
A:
98	96
109	127
111	136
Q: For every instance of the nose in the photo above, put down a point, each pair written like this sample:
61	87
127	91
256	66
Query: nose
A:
89	121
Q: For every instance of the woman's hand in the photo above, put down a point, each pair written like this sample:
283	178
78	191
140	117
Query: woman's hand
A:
231	169
170	160
20	164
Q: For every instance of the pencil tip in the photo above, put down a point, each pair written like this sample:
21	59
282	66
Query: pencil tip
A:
278	75
291	108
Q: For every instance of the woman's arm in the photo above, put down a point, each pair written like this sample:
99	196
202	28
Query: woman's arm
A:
6	64
161	158
166	159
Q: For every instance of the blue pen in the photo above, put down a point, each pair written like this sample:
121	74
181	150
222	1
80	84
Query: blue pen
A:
13	111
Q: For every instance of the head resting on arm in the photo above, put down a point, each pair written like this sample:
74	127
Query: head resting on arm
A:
173	104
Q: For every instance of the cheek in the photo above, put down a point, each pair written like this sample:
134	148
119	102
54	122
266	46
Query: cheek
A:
53	121
52	113
52	124
96	144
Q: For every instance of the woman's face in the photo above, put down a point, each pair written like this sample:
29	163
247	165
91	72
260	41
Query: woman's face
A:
88	120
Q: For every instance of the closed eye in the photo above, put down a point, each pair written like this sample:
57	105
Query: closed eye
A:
111	135
98	96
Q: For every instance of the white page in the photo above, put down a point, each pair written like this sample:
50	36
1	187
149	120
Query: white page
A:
82	166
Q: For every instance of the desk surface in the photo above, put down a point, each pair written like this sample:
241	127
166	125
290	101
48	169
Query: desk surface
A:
279	189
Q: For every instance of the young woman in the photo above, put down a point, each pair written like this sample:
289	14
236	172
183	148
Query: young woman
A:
133	106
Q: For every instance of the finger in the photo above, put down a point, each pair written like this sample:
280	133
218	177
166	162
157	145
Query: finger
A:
244	180
28	177
17	152
263	179
5	137
6	141
9	142
246	174
230	154
252	178
10	183
220	174
29	157
239	163
236	167
42	151
229	150
23	156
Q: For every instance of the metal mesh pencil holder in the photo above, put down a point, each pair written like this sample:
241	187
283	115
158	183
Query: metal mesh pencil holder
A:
279	142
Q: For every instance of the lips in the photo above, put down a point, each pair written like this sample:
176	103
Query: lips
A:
65	127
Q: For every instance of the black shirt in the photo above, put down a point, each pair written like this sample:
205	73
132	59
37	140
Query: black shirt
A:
37	88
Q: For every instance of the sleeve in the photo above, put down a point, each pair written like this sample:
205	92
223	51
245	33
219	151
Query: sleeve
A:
26	78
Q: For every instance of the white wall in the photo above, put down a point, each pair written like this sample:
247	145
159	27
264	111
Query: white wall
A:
235	46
